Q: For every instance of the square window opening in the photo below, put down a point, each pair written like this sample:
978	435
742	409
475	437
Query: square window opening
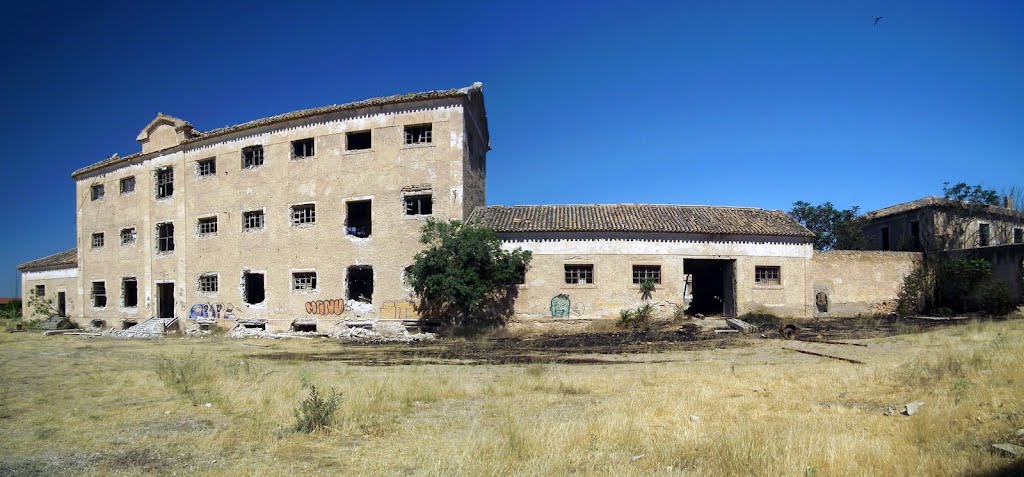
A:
885	238
40	291
419	134
129	292
421	204
579	274
97	240
359	140
304	281
97	191
303	148
304	327
252	220
165	237
208	283
207	226
642	273
303	214
164	182
359	218
255	291
128	236
984	235
206	167
128	185
360	283
252	157
764	275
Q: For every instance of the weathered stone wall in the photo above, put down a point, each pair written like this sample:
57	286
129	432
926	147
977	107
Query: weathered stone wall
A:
334	176
851	283
64	280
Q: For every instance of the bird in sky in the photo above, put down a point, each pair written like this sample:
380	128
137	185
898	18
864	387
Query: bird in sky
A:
877	19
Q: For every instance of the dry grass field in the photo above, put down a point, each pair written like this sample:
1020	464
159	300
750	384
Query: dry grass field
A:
740	406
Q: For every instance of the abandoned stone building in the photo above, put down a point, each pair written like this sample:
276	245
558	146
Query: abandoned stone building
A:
309	219
293	221
916	224
589	260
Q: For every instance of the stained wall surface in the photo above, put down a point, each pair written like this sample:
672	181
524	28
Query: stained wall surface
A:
845	283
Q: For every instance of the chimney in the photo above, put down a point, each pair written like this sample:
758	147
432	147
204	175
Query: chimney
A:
1007	202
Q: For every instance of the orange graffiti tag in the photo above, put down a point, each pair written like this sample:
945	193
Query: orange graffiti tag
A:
325	307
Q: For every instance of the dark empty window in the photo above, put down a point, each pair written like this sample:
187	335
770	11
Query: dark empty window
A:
421	204
254	291
1018	235
358	140
128	236
418	134
303	148
129	292
579	274
206	167
97	191
207	225
97	240
252	220
208	283
984	234
885	238
99	294
304	281
165	237
303	214
358	220
521	275
768	275
915	233
360	283
40	290
128	185
646	272
252	157
164	182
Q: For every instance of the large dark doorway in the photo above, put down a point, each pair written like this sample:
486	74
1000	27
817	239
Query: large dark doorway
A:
165	300
714	286
62	309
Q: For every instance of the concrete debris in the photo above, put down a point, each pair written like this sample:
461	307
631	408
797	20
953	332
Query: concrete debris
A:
152	328
197	332
344	332
243	332
1020	432
694	419
699	316
889	411
1009	450
359	308
740	325
726	330
911	408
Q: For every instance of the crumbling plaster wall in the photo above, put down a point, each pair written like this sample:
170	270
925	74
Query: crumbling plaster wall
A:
858	282
329	179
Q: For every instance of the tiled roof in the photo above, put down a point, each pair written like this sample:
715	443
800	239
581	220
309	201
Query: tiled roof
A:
65	259
936	202
696	219
305	113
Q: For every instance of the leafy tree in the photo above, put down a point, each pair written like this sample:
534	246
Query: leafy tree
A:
833	229
464	274
970	195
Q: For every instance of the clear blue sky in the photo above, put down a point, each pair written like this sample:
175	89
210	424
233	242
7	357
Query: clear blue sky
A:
725	103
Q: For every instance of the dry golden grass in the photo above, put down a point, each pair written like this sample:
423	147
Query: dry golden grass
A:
81	406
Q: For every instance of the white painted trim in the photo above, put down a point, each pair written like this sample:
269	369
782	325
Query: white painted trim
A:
661	247
46	274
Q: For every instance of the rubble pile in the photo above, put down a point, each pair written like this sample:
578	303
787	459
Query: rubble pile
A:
243	332
346	333
152	328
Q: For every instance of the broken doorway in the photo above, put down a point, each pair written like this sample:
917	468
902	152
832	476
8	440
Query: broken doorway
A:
713	286
255	290
165	300
62	304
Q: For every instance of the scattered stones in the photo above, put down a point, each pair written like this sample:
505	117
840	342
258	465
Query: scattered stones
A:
245	332
911	408
1009	450
889	411
363	334
636	457
694	419
1020	432
152	328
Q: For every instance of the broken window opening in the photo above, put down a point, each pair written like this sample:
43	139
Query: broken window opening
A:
97	191
126	324
358	220
359	140
1018	235
128	236
360	283
129	292
915	234
207	226
304	281
422	204
303	214
40	290
579	274
254	292
97	240
208	283
521	275
252	220
206	167
98	323
99	294
164	182
419	134
165	237
984	235
255	326
252	157
646	272
303	148
128	185
885	238
764	275
304	327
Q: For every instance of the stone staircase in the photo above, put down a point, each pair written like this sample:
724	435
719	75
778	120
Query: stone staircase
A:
151	328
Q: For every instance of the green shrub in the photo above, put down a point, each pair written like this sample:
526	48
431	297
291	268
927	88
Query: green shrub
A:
641	318
189	376
912	296
995	297
316	411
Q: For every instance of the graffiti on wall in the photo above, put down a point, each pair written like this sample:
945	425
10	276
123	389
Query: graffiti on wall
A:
214	311
325	307
560	306
399	310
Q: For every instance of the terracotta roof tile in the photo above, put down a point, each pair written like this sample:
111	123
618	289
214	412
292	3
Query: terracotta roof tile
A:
697	219
65	259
